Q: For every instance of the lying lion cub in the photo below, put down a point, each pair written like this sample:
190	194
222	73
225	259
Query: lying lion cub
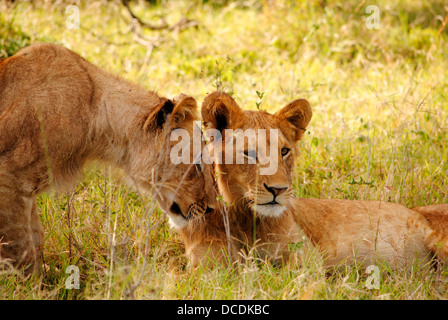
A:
57	112
263	212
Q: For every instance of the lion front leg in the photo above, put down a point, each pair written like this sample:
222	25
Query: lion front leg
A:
21	237
37	233
211	253
275	237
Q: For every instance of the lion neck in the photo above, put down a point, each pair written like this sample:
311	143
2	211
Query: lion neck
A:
118	134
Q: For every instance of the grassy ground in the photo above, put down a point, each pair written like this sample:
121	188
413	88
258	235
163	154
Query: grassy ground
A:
379	131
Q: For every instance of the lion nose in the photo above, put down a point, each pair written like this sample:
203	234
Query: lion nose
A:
275	190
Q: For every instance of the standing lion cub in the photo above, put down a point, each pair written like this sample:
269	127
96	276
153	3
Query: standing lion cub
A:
57	112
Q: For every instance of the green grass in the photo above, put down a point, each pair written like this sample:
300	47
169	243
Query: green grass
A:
379	131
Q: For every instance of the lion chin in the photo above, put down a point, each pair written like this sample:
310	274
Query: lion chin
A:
177	222
268	210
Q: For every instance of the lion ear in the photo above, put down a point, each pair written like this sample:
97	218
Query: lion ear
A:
185	110
220	111
181	109
296	115
158	116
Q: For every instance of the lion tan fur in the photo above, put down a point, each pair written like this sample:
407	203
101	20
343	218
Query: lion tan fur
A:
372	232
437	216
57	112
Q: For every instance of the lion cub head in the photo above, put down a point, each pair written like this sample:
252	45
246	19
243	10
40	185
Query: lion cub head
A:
183	190
254	151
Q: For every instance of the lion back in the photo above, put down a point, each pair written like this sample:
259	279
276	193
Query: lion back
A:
47	99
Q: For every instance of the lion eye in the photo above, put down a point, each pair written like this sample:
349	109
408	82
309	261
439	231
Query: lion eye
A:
285	151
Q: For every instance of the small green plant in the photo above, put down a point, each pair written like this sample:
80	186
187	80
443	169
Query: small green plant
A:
218	75
260	96
296	246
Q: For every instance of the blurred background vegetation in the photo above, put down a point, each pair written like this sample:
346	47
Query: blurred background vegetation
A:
379	127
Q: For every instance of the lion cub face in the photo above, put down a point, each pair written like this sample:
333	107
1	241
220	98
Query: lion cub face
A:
188	192
183	190
254	151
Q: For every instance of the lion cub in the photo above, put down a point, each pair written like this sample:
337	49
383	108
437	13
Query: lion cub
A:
256	206
262	211
57	112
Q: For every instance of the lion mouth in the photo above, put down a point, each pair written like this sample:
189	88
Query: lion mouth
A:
273	202
177	219
269	209
176	210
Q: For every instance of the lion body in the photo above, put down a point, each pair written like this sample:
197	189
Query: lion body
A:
369	231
